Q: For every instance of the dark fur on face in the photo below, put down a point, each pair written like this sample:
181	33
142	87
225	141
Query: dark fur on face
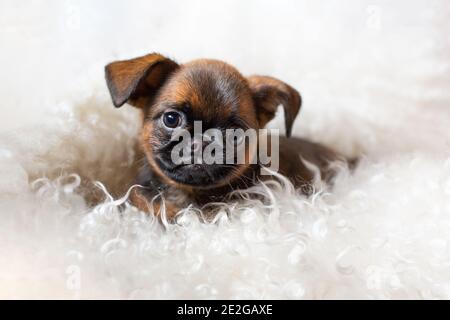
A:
205	90
214	93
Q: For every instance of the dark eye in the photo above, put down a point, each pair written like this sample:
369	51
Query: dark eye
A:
172	119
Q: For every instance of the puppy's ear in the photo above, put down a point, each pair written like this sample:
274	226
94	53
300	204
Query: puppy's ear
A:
268	93
137	80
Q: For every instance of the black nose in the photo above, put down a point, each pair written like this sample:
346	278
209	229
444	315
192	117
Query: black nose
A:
198	144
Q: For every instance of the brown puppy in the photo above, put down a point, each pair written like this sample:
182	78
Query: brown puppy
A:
173	96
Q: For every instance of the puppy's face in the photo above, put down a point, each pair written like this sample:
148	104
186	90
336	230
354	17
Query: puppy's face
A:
177	97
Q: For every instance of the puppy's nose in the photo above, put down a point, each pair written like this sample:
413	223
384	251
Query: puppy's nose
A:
197	145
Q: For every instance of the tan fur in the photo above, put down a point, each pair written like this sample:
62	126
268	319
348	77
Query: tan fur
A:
153	82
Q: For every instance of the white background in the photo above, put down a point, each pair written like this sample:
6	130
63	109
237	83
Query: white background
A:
375	79
54	51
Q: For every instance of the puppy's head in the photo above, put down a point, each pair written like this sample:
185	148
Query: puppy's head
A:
173	96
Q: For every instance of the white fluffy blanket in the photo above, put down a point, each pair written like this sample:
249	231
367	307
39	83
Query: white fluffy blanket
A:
375	81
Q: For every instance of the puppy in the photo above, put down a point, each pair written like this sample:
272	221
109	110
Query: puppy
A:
173	96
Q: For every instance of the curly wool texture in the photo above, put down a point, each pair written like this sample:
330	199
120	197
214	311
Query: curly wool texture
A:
382	231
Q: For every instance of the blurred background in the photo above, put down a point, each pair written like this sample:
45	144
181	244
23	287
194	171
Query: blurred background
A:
375	78
336	53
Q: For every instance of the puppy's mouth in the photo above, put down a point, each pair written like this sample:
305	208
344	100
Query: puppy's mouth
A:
196	175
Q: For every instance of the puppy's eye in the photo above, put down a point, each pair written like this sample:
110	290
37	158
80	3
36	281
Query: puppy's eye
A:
172	119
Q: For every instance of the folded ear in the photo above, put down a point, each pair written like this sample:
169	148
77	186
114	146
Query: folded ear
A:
268	93
137	80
